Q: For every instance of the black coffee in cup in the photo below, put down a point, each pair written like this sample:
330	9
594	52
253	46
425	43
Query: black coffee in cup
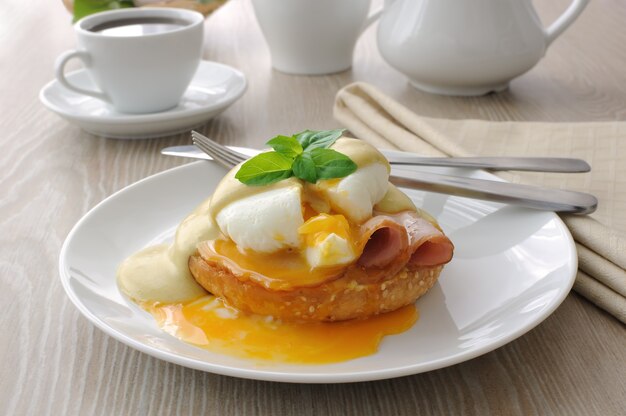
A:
138	26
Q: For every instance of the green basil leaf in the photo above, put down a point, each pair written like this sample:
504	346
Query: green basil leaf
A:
286	145
310	139
305	155
332	164
304	137
264	169
304	168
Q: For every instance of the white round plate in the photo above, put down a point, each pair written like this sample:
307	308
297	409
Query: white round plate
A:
214	87
512	267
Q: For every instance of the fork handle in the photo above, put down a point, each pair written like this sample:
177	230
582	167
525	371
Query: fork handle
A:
511	193
534	164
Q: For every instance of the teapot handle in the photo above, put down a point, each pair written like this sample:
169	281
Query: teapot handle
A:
374	16
566	19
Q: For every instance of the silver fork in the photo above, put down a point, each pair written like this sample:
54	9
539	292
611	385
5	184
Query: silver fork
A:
510	193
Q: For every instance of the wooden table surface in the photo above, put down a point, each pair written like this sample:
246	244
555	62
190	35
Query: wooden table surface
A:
54	362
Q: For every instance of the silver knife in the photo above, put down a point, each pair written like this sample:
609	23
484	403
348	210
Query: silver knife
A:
535	197
530	164
522	195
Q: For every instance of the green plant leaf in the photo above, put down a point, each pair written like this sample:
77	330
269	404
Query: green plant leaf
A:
304	155
304	137
304	168
310	139
332	164
84	8
264	169
286	145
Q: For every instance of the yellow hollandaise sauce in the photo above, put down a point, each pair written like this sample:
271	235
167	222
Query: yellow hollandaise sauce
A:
210	324
158	277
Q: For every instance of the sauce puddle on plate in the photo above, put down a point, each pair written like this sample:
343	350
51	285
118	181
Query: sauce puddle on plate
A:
210	324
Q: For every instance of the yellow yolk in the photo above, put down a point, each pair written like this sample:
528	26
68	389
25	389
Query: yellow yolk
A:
328	246
320	226
208	323
308	211
282	270
328	241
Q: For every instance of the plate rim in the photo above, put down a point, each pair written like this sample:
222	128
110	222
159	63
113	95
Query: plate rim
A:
314	378
132	119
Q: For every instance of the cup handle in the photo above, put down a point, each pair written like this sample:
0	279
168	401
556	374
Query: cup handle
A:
60	73
567	18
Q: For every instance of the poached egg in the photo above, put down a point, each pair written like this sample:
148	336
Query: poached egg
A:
292	215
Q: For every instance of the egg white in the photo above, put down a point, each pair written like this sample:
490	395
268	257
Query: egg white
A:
265	222
268	221
355	195
331	251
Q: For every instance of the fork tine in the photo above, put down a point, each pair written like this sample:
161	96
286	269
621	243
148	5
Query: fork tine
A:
220	153
204	146
210	145
233	154
226	163
225	152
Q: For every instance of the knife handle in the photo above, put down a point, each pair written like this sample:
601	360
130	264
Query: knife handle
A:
510	193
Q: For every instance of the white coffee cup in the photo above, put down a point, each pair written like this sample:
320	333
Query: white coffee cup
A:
142	60
312	37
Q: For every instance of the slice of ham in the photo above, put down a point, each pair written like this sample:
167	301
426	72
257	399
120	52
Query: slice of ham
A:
403	238
429	246
384	241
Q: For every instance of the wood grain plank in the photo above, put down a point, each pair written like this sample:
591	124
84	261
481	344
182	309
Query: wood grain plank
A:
55	362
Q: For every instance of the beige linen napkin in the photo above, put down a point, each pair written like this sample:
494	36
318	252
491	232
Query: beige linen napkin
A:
600	239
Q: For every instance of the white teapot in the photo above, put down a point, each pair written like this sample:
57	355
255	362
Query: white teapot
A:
466	47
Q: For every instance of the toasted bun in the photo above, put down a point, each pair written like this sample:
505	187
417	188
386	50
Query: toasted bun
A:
337	300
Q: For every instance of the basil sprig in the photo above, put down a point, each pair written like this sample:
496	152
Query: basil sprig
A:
306	155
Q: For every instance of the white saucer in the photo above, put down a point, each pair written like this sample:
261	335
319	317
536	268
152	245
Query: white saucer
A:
213	88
